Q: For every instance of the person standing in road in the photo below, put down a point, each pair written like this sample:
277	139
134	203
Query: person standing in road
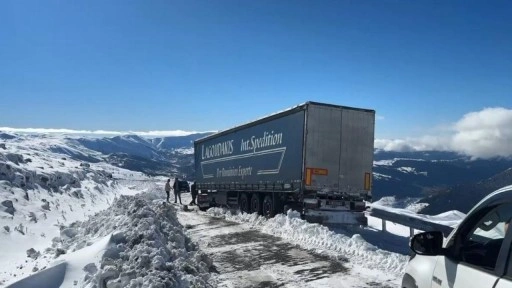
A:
168	189
193	191
176	187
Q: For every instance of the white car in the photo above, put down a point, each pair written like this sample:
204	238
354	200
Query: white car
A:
477	254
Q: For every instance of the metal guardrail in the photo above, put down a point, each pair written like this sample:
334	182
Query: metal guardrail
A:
409	221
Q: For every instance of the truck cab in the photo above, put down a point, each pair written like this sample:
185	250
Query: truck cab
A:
477	254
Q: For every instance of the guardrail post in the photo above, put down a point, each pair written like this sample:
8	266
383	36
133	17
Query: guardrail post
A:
383	225
411	231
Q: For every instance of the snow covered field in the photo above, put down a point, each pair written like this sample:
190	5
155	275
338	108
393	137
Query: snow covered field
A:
137	242
42	191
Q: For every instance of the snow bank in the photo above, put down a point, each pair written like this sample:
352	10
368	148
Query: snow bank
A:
51	277
450	218
410	204
317	237
137	242
42	190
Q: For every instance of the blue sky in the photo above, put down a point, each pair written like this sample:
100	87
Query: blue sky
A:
209	65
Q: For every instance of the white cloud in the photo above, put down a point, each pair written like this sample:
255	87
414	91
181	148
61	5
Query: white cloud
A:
482	134
98	132
424	143
400	145
485	133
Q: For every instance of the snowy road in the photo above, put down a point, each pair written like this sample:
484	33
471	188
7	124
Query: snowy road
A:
246	257
249	258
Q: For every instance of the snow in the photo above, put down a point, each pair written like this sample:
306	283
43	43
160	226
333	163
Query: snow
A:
410	204
384	162
77	261
185	151
47	190
449	218
411	170
137	242
407	169
381	176
391	162
415	207
409	207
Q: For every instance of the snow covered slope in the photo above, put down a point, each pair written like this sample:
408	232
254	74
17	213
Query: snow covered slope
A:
42	189
472	193
158	156
137	242
128	144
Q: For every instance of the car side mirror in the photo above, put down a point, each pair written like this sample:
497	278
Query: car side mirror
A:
427	243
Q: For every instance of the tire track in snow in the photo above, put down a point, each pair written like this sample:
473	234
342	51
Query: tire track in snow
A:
246	257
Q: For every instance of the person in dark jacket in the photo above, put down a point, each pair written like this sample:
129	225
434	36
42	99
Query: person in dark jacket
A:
168	189
176	187
193	191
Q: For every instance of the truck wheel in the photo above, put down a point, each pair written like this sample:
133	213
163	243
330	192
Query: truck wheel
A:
269	210
255	203
243	203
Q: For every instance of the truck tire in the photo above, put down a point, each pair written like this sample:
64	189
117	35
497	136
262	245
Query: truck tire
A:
243	203
256	203
269	209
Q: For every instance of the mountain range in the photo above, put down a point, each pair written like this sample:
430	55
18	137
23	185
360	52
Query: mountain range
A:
463	197
433	175
423	173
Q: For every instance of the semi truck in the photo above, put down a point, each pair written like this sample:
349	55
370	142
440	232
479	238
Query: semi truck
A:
314	158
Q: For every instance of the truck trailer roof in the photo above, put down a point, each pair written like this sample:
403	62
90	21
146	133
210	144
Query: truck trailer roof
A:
278	115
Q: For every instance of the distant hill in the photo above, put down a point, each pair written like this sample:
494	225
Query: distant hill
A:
419	174
463	197
158	156
171	155
169	143
128	144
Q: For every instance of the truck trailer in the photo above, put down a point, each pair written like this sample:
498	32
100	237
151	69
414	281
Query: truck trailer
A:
314	158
